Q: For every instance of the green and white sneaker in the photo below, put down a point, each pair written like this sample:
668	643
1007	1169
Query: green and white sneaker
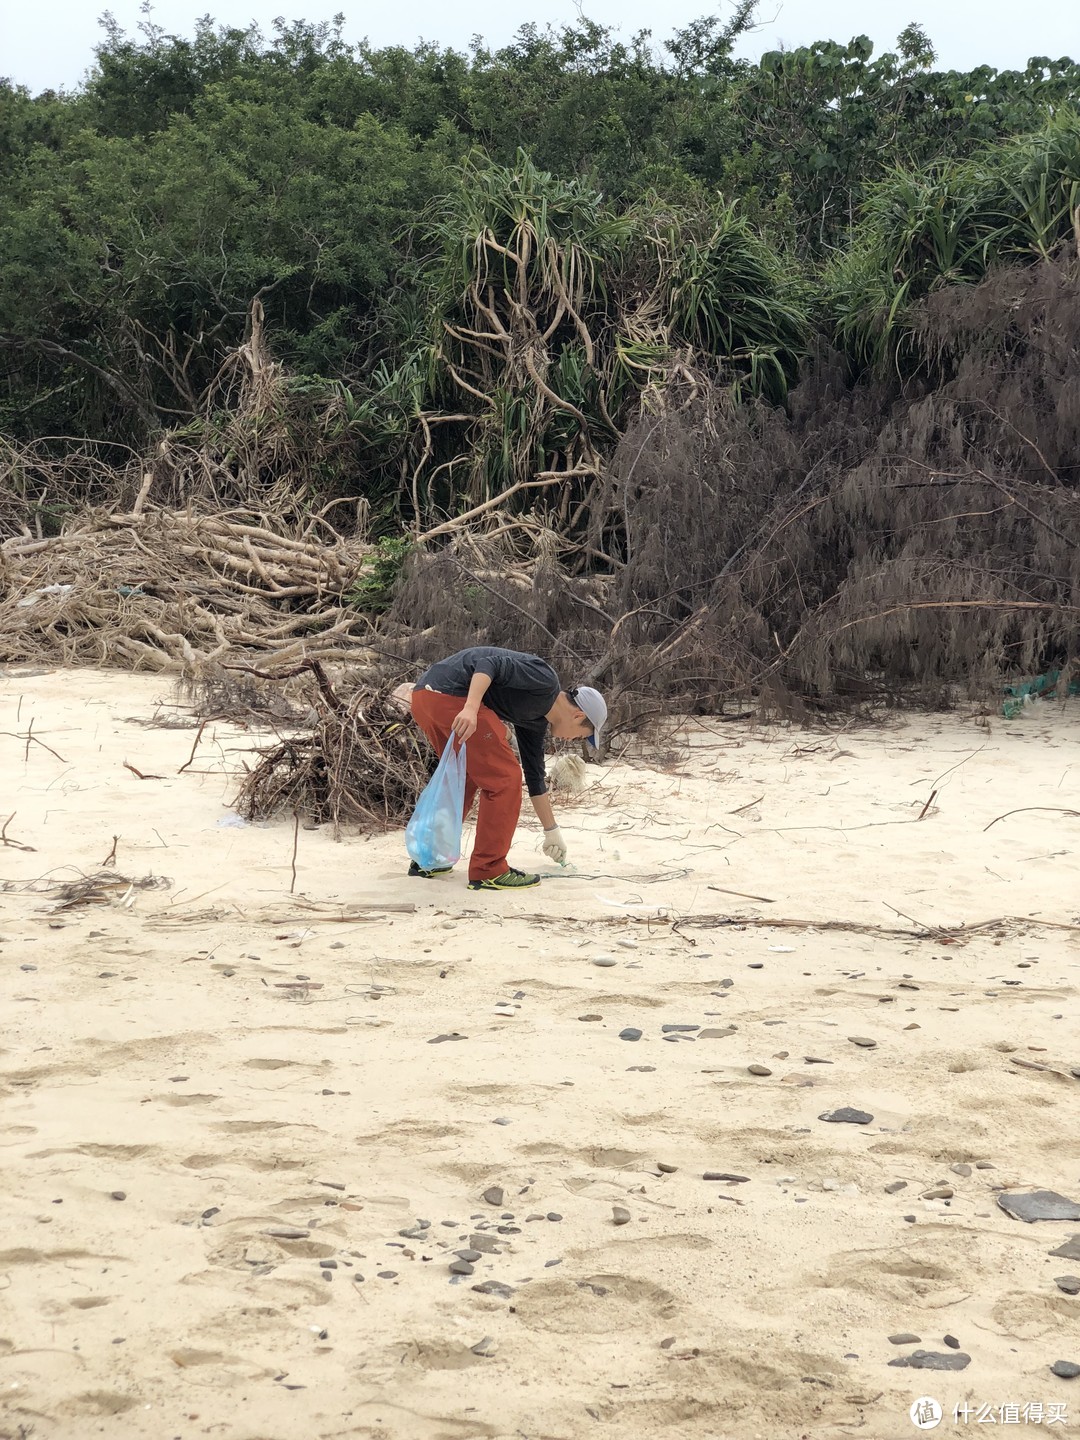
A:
414	869
509	880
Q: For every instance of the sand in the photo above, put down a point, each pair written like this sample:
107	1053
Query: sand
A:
233	1060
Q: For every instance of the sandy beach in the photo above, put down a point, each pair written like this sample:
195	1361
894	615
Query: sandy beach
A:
245	1131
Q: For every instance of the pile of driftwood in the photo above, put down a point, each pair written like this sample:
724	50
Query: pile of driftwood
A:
362	762
177	590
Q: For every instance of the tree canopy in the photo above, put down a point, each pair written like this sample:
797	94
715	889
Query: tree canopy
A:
481	265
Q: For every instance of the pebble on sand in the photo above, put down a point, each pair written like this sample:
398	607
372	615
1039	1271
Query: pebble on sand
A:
630	1033
494	1195
895	1187
933	1360
620	1214
1068	1284
1065	1369
759	1070
846	1116
494	1287
904	1338
864	1041
484	1347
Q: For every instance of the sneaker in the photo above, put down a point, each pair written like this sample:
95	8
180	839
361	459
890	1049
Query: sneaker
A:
509	880
414	869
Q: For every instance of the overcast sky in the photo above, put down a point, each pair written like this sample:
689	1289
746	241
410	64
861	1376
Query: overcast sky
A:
49	43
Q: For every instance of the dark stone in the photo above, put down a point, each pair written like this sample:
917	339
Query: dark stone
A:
118	1194
469	1255
864	1041
904	1338
494	1195
951	1341
1039	1205
1070	1250
494	1287
846	1116
554	1215
641	1069
630	1033
895	1187
678	1029
590	1017
816	1060
487	1243
440	1038
1068	1284
327	1264
755	965
932	1360
383	1275
726	1177
461	1267
1065	1369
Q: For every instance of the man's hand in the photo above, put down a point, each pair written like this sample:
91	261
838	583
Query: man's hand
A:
555	846
464	722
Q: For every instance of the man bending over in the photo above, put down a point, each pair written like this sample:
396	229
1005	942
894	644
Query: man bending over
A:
474	695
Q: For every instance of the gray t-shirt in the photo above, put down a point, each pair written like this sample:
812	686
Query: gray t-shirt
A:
523	689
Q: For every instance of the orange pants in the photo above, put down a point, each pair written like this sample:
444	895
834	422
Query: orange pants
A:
491	768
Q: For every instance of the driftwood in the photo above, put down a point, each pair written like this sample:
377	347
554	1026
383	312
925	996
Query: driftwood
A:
362	763
179	590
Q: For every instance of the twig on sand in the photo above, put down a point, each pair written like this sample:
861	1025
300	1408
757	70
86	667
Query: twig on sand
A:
198	736
32	739
110	858
929	802
6	840
1055	809
295	845
139	774
743	895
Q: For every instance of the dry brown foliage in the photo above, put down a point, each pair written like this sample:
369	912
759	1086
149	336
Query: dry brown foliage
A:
362	763
865	544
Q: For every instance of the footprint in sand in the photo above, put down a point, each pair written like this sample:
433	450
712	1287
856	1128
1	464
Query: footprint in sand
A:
596	1305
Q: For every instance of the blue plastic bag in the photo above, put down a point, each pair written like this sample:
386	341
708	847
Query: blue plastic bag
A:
433	835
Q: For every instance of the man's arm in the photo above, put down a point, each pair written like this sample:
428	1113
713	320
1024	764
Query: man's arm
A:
464	722
531	749
544	813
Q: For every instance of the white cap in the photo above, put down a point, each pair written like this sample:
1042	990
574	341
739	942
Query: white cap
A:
595	708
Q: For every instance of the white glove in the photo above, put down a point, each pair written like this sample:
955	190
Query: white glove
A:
555	845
